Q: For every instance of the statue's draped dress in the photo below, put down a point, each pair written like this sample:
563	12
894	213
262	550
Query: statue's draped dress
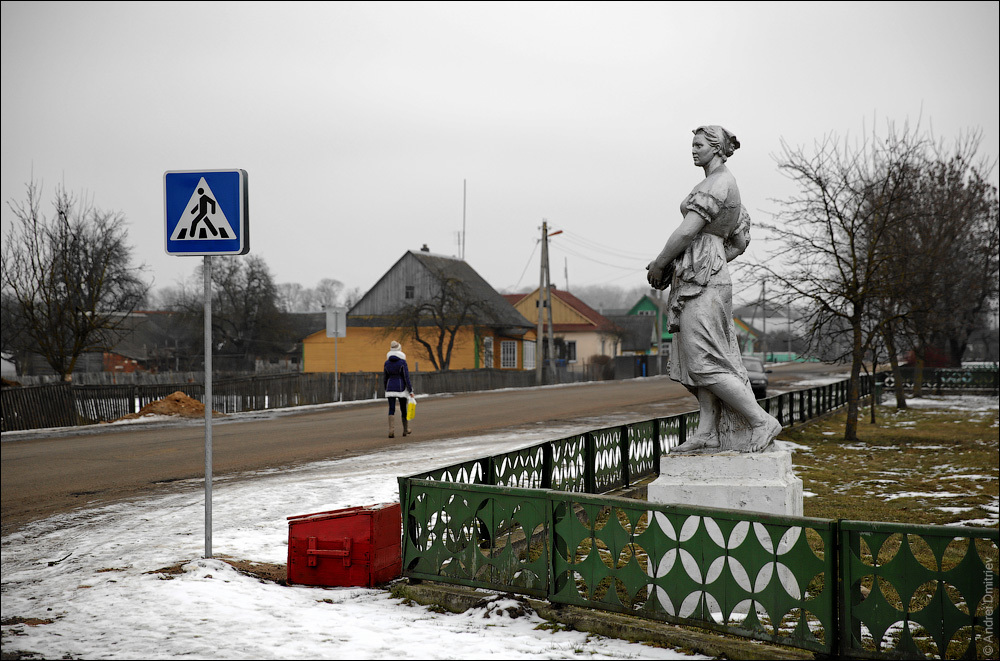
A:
700	304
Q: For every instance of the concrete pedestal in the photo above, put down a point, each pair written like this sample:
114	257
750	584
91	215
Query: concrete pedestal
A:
760	482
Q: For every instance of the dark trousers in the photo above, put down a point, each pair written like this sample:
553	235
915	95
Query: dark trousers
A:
402	405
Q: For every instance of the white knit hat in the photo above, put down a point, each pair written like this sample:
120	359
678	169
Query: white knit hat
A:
394	346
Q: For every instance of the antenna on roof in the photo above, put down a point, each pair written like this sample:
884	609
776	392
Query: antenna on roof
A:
462	252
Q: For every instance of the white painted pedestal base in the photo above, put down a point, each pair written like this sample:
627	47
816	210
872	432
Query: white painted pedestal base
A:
760	482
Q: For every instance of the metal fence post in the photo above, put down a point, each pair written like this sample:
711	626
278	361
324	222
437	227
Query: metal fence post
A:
837	646
623	444
656	446
490	471
547	468
589	463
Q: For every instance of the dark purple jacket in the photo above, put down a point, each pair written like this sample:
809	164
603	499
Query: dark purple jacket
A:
396	376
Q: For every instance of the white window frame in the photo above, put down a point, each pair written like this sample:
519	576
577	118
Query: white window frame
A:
570	350
508	355
528	347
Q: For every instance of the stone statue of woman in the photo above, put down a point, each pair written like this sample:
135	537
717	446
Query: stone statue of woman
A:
704	353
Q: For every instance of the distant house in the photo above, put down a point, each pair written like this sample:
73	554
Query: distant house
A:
580	332
419	287
137	344
655	308
637	334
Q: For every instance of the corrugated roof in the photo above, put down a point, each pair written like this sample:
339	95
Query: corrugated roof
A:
498	311
493	309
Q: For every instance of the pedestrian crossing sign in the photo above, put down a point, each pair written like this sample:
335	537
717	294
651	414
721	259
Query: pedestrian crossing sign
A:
206	212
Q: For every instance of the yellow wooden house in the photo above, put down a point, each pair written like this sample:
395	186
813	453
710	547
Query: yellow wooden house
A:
445	315
585	333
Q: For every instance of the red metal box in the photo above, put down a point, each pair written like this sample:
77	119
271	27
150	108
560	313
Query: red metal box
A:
357	546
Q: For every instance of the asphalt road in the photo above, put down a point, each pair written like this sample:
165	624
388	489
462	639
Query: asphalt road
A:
46	473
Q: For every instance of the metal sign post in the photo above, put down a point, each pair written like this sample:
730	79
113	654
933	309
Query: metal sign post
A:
207	213
208	406
336	326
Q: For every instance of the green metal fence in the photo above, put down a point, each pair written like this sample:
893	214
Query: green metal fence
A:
918	591
940	379
531	521
739	573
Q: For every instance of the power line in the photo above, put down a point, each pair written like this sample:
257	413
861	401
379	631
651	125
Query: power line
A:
537	241
596	261
588	244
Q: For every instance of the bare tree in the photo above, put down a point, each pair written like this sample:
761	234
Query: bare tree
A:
290	297
956	244
434	321
942	271
327	293
833	235
352	296
246	321
293	297
68	279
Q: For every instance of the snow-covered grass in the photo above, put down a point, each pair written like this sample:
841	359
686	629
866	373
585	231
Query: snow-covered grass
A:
87	585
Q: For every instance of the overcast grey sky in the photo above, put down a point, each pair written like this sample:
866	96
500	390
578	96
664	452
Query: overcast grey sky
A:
358	122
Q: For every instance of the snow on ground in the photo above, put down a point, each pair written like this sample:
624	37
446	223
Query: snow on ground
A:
980	403
88	573
92	573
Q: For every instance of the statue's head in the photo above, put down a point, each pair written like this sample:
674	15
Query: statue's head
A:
724	142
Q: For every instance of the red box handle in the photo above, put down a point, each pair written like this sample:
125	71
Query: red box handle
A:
313	554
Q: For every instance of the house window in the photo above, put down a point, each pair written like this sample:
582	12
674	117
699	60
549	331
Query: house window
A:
571	351
508	355
646	313
487	352
529	354
409	292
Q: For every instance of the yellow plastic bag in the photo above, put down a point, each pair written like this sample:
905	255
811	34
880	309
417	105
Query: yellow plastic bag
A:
411	408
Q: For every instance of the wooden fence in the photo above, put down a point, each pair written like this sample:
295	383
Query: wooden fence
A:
37	406
64	404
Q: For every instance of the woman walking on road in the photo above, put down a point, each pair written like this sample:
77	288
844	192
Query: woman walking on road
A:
396	379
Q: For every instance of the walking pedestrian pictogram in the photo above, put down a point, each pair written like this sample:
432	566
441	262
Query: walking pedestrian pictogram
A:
206	212
203	218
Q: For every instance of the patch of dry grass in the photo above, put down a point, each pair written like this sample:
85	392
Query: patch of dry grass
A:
918	465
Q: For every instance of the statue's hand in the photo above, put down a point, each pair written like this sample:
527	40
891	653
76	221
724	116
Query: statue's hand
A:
659	276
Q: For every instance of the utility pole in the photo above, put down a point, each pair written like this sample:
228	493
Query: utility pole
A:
463	219
545	289
788	329
763	330
540	336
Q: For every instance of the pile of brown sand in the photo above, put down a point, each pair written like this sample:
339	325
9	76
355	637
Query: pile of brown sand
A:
177	404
